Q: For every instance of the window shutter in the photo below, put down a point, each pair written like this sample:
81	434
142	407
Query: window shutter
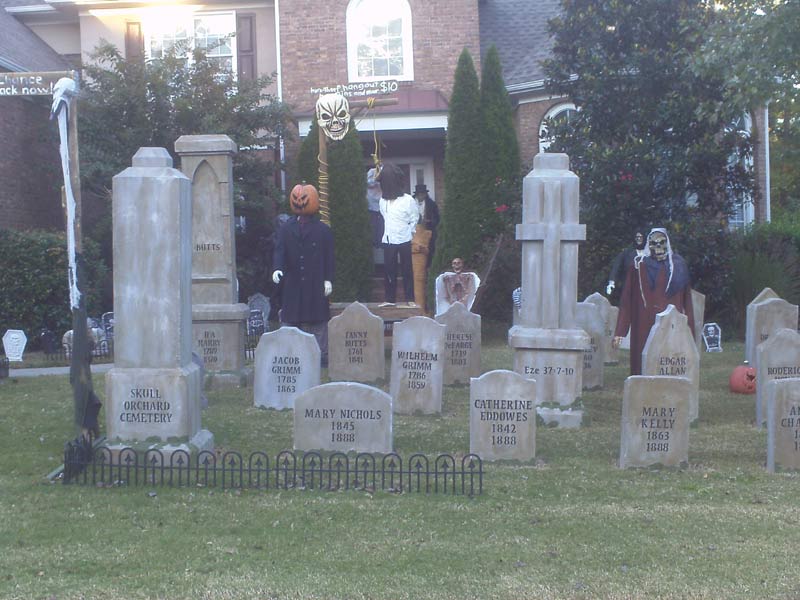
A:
246	46
134	41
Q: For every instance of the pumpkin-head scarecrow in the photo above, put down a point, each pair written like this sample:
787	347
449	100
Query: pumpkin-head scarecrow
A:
304	199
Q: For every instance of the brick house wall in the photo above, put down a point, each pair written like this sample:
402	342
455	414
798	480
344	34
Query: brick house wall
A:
528	117
30	168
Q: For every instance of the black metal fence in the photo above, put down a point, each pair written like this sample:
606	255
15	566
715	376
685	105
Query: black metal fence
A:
103	467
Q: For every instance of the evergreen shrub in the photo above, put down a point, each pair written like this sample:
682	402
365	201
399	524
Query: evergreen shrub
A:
33	282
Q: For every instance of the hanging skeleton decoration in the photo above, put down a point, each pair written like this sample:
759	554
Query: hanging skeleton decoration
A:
333	115
64	89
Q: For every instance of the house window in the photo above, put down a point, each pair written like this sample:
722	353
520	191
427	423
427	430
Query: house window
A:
560	113
379	41
213	32
743	207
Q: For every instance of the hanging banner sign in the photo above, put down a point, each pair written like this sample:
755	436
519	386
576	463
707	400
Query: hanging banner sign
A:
362	88
31	84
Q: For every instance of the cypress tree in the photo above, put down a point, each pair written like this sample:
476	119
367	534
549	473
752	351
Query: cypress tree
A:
499	147
463	216
347	189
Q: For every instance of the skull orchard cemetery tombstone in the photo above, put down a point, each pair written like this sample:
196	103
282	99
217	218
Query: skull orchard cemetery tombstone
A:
671	351
14	342
588	316
356	345
417	366
502	416
783	424
154	388
776	358
655	421
610	314
287	364
343	417
462	345
751	339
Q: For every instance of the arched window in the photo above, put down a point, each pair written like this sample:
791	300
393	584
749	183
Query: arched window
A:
379	40
560	113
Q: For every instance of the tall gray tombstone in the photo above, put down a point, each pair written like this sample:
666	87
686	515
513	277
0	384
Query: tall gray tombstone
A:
783	425
153	391
767	318
286	365
609	314
502	416
343	417
655	421
356	345
699	314
548	345
751	337
776	358
589	318
219	321
462	344
670	351
417	371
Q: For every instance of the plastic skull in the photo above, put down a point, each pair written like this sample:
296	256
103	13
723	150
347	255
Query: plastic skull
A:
333	115
658	245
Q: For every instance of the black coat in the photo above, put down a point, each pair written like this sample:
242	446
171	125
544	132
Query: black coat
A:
307	262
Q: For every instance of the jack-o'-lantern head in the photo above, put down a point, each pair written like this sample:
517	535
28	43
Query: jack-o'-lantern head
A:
304	199
743	380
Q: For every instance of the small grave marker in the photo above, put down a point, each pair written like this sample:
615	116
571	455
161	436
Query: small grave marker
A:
783	424
712	337
14	342
356	345
417	366
462	345
287	364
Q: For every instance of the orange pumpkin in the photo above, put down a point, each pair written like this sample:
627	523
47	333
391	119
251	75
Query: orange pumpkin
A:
304	199
743	380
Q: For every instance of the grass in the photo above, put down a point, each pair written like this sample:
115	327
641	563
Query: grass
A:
568	525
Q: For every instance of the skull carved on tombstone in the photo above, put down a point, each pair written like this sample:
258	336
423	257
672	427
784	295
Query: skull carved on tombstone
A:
333	115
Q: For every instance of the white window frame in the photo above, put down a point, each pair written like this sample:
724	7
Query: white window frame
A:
354	22
554	111
744	208
188	20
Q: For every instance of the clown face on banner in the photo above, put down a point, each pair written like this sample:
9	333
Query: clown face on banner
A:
333	115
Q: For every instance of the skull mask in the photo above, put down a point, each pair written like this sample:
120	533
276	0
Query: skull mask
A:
657	243
333	115
457	265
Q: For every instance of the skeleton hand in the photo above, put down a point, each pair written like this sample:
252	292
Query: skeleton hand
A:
328	288
277	275
609	287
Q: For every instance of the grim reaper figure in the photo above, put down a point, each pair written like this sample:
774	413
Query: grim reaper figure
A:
656	279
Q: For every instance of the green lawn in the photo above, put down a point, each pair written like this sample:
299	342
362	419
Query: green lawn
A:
568	525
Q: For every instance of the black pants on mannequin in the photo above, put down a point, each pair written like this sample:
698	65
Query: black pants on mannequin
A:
390	255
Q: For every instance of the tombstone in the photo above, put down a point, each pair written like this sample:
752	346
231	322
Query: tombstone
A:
588	317
502	416
286	365
153	391
260	303
417	366
471	283
14	342
750	339
670	350
776	358
699	314
768	317
356	345
610	314
548	344
343	417
783	425
712	337
462	344
199	362
219	322
655	421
